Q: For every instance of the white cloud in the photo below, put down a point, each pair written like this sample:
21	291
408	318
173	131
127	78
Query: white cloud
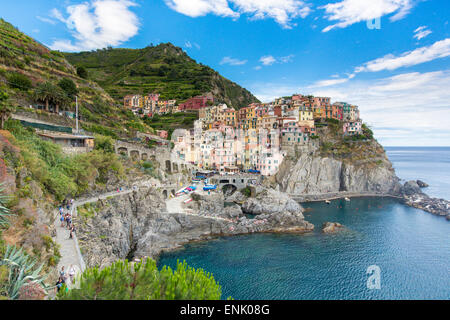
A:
329	82
97	24
348	12
46	20
55	13
421	32
439	49
282	11
267	60
286	59
405	109
270	60
188	44
232	61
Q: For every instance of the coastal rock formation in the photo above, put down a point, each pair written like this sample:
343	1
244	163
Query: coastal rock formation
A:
414	197
331	227
214	206
138	225
422	184
312	174
270	201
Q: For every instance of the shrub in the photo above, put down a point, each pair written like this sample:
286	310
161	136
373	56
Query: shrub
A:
19	81
143	281
4	211
246	192
104	143
82	72
69	87
21	272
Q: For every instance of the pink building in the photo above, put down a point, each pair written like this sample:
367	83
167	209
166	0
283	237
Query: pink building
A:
163	134
351	128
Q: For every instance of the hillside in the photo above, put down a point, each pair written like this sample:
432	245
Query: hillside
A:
163	69
25	65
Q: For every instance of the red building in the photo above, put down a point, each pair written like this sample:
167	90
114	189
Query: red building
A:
338	111
277	111
196	103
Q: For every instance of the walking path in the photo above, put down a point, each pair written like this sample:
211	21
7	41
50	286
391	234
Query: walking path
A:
69	248
175	205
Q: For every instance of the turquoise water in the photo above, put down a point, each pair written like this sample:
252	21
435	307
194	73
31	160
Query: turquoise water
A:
411	247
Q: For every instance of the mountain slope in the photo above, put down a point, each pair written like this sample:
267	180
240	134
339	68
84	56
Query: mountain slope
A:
164	69
25	59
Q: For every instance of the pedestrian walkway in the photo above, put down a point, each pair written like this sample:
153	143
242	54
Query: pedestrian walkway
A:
67	248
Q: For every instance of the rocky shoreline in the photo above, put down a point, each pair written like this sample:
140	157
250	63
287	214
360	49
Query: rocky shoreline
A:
138	224
414	197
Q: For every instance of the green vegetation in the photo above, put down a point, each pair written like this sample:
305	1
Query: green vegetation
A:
164	69
4	211
170	122
104	143
19	81
21	271
143	281
69	87
246	192
5	108
367	132
58	174
82	72
37	75
50	93
87	211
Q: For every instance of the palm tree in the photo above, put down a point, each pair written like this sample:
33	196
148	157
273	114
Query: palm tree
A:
60	98
45	92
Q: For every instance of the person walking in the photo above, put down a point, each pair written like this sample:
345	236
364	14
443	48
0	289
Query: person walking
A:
62	218
71	273
62	274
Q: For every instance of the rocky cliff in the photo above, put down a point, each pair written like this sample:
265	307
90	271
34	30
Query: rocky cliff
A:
314	173
139	225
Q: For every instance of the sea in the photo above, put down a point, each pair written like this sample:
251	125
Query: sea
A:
386	251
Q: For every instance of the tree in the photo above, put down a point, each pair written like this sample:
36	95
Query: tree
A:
60	98
19	81
143	281
69	87
6	109
49	93
104	143
82	72
45	92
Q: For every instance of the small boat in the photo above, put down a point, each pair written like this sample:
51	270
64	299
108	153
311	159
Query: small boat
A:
347	199
327	201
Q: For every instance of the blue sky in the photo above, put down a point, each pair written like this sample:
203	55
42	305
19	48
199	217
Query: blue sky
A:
398	74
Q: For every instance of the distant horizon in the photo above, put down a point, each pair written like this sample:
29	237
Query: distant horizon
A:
386	146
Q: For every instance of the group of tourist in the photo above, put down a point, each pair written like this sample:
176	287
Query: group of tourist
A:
63	277
66	217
